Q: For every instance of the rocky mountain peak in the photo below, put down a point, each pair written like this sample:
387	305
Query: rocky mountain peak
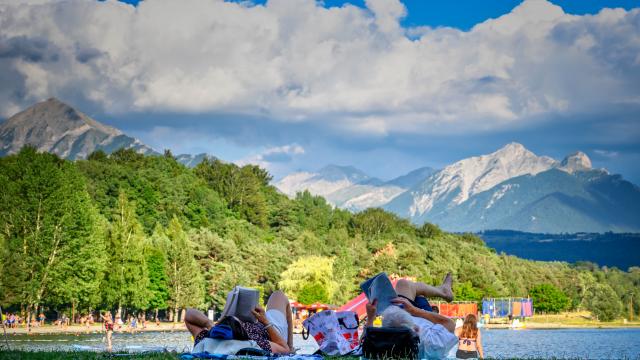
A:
577	161
512	147
54	117
56	127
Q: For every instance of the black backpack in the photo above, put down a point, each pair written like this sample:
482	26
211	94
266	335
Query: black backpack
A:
390	343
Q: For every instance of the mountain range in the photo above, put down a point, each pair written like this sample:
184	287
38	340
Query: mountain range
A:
56	127
511	188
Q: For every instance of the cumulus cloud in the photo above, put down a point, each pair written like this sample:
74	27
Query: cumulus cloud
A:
273	156
354	69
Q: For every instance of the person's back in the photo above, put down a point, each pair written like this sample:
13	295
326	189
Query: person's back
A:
469	339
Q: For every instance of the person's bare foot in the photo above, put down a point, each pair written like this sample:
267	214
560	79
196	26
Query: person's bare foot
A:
446	287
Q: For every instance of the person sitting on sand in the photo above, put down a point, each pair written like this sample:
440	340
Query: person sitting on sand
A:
273	332
470	341
436	332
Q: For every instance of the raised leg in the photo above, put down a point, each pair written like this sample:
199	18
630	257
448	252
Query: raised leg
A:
279	301
412	289
196	321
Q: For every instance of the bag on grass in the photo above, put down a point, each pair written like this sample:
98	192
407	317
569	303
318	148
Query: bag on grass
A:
335	333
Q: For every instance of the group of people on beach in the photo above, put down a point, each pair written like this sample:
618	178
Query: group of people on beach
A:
273	331
11	320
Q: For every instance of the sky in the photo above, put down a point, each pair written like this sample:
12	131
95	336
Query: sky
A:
294	85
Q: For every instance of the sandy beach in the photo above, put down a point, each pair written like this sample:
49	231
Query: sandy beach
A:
81	329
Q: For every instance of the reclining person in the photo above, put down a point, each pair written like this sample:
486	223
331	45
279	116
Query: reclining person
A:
418	293
272	333
436	332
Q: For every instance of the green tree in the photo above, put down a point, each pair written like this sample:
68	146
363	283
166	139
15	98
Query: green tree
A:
50	233
186	287
603	302
548	298
313	292
428	230
314	272
157	266
127	280
466	292
241	187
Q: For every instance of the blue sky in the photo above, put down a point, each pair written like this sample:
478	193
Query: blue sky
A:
464	14
382	85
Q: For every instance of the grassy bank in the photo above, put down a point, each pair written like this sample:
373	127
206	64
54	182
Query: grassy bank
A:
53	355
81	355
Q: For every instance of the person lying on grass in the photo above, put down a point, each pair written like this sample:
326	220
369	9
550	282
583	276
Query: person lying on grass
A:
436	332
273	332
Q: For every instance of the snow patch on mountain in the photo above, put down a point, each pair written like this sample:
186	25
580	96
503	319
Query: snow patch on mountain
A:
344	186
499	194
577	161
473	175
359	197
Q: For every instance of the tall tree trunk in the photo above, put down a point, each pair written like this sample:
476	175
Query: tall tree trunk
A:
73	312
29	319
170	315
175	315
183	314
156	318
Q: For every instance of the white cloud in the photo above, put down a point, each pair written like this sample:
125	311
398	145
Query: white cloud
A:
293	60
273	156
607	153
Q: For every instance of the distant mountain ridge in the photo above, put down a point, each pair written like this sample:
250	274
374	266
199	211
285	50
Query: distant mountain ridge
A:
55	127
348	187
599	248
511	188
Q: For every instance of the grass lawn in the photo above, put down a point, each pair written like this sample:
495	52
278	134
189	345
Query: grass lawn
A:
81	355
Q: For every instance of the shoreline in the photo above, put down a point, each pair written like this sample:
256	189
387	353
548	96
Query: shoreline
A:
179	327
94	329
552	326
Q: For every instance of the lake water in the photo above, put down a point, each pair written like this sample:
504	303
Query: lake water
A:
564	343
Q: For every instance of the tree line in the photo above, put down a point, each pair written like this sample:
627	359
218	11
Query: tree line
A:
145	233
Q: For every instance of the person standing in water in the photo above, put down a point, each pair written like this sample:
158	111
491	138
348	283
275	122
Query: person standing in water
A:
469	339
108	327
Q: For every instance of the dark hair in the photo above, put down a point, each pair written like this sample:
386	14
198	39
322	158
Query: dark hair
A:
236	327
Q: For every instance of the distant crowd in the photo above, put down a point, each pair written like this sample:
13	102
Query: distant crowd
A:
132	323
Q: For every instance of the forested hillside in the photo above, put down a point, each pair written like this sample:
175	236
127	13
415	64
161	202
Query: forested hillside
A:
146	233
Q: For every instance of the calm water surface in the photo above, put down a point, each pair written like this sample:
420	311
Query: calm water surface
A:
565	343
